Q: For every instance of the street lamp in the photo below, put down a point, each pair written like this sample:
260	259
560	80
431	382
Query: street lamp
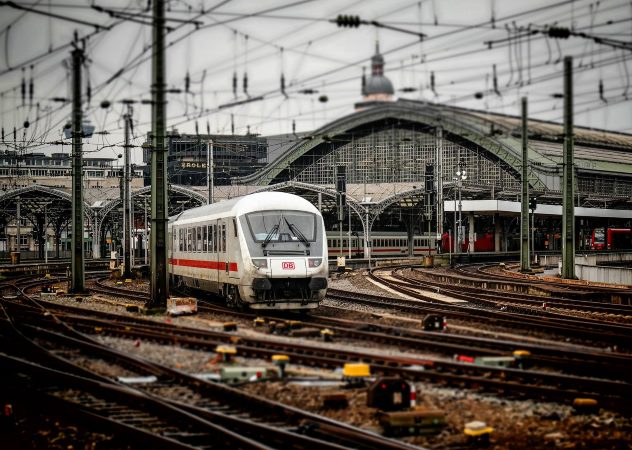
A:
461	176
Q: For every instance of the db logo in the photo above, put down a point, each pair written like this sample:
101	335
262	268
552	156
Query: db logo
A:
288	266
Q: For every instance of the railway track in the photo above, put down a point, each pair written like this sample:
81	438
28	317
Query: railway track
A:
562	296
563	359
582	329
512	382
261	423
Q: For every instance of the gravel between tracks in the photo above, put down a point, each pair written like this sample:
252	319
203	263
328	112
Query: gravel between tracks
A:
517	424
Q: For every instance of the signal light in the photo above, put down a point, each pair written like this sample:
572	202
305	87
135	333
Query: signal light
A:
344	20
533	203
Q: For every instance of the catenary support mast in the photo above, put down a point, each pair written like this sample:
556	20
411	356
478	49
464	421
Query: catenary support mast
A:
159	215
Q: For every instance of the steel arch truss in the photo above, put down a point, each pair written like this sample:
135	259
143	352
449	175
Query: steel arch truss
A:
462	128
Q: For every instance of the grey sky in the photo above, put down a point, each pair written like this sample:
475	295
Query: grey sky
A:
316	55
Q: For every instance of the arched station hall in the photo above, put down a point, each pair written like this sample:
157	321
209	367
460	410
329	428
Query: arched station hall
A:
400	162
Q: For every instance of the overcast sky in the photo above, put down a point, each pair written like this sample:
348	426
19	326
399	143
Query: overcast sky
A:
246	37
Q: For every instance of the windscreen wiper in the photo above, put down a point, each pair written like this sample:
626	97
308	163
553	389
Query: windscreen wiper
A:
269	236
297	232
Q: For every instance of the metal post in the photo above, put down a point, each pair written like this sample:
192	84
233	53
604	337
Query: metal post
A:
145	246
127	199
568	185
210	181
368	236
456	228
460	218
439	181
524	212
77	264
45	235
349	232
159	279
17	230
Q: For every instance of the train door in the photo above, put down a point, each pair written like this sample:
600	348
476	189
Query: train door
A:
233	252
213	255
223	258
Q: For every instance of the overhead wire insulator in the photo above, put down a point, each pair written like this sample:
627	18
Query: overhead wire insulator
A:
208	127
187	83
245	80
23	87
31	88
495	81
283	86
559	32
601	92
294	127
432	84
235	84
232	124
196	128
363	80
344	20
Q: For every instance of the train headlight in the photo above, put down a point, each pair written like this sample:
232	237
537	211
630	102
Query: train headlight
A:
314	262
260	263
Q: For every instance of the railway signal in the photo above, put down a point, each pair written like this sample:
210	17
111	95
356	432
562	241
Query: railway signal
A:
533	203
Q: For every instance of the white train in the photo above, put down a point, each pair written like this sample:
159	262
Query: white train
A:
266	251
383	243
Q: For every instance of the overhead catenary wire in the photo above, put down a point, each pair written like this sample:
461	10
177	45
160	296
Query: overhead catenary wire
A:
319	81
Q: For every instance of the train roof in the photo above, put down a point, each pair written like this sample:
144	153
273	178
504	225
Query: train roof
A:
261	201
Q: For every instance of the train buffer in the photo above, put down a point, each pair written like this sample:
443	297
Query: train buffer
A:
177	306
419	421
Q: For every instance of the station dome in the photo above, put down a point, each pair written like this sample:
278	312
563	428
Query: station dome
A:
377	88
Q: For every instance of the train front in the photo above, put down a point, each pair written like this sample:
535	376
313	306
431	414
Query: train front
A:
287	254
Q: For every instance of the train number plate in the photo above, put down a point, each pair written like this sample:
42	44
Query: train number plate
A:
288	265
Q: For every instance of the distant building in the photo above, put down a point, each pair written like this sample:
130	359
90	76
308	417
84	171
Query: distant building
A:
20	170
233	156
25	169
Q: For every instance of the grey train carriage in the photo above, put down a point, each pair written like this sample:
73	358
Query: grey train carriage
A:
266	250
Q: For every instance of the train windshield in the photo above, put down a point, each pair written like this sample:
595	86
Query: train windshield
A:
282	226
600	235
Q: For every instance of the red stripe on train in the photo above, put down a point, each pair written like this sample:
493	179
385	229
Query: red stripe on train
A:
201	264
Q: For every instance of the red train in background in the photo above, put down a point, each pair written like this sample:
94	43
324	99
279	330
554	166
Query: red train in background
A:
611	239
482	243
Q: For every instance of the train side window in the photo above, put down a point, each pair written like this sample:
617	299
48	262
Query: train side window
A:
180	239
199	239
205	238
193	240
215	238
223	237
187	247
